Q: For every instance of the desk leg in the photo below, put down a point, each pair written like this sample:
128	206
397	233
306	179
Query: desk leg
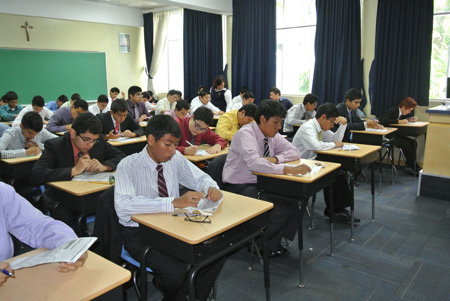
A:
351	183
415	157
331	198
302	209
143	272
380	158
372	184
266	264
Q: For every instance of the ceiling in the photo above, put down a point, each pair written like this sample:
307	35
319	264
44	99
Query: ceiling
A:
140	4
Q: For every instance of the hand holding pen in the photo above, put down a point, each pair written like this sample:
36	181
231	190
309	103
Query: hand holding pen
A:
6	272
190	150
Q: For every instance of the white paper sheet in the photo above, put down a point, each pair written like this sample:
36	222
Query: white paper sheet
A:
205	206
68	252
314	168
94	176
201	152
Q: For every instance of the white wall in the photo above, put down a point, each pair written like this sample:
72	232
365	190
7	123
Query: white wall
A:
223	7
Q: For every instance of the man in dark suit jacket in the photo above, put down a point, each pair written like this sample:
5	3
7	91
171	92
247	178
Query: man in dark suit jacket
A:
348	109
81	149
118	122
402	114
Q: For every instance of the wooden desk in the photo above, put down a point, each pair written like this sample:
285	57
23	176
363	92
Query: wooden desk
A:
196	159
352	162
300	188
43	282
238	220
80	196
374	138
413	129
17	168
130	146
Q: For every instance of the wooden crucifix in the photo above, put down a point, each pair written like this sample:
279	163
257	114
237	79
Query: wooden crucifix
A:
27	29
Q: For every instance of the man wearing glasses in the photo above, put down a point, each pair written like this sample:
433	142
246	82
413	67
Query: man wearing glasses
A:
195	130
81	149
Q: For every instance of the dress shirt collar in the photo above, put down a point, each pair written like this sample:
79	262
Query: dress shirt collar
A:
258	134
399	113
316	125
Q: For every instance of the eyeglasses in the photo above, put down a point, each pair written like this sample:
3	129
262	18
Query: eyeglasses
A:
88	140
196	217
199	128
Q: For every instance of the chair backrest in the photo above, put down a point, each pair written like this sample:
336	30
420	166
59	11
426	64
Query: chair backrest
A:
107	228
215	169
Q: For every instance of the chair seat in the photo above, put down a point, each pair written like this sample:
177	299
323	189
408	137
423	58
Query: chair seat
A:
127	257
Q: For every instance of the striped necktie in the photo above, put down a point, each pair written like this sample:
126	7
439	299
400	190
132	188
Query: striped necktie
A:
266	147
320	136
192	140
162	188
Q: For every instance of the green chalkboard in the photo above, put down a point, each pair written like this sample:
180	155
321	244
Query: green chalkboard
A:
52	73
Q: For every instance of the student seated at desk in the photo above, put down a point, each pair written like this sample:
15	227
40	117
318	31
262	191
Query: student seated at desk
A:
167	103
63	117
56	104
181	110
204	100
148	182
114	93
73	98
118	122
135	106
10	111
19	218
25	140
3	100
230	122
101	106
37	105
248	97
258	147
195	130
348	109
149	101
275	95
402	114
300	113
81	149
238	99
316	135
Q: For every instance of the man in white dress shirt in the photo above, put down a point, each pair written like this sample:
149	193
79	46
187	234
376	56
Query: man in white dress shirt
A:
204	100
248	97
167	103
102	105
300	113
238	99
38	106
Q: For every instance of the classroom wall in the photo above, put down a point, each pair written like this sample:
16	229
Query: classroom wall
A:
123	69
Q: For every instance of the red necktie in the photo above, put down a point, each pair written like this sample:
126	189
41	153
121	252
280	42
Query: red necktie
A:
162	188
117	128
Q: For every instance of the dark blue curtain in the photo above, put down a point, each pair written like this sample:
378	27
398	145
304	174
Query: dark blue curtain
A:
203	50
338	66
254	46
148	38
403	41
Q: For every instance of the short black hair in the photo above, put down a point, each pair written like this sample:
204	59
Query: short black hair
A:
87	122
310	98
33	121
268	109
133	90
75	96
146	95
204	114
243	89
275	90
182	104
11	95
114	89
248	95
63	98
250	109
202	87
160	125
203	93
119	105
80	103
103	98
172	92
352	94
38	101
328	109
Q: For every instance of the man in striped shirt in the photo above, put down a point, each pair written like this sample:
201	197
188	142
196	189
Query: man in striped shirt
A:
26	140
148	182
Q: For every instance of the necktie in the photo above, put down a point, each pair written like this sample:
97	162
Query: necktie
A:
136	112
162	188
350	117
320	136
304	116
266	147
192	140
117	129
80	154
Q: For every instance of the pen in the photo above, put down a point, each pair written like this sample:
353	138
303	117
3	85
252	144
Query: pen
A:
179	214
189	143
99	182
7	273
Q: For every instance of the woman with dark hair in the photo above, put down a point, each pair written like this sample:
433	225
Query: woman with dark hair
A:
220	94
402	114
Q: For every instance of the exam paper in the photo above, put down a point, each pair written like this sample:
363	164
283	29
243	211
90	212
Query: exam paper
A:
94	176
205	205
349	147
201	152
376	130
314	169
68	252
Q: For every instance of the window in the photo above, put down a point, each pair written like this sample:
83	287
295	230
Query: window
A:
296	29
170	73
440	49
